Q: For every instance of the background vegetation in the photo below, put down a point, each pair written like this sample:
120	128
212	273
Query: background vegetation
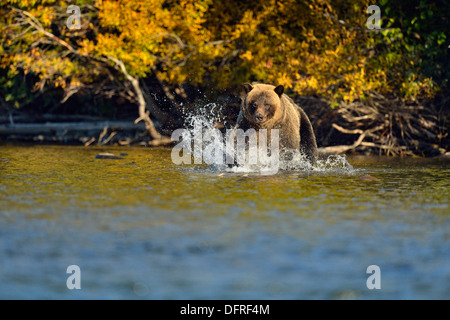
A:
380	90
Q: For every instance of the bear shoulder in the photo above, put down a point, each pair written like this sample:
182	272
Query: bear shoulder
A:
308	143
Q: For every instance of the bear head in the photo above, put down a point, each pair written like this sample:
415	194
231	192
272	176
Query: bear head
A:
262	104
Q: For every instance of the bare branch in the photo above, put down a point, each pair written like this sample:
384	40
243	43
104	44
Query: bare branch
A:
38	26
144	115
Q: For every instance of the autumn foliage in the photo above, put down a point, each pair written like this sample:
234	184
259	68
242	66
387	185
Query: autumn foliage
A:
314	48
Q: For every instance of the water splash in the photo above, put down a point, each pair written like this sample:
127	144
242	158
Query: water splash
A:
334	163
201	123
208	114
213	148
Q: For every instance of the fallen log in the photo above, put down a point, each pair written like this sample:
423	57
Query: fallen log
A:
55	127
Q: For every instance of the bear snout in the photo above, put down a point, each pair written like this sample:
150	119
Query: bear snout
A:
259	117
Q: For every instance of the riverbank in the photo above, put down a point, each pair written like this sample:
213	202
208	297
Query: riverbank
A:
378	127
128	134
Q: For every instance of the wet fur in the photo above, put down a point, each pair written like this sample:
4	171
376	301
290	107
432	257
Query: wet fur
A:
280	112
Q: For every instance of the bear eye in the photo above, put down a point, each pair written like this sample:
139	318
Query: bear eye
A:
252	106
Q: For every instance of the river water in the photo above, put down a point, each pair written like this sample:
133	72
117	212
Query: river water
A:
142	227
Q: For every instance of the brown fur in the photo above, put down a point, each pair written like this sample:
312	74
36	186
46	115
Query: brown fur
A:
267	107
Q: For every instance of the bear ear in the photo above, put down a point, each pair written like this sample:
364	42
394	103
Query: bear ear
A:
248	87
279	90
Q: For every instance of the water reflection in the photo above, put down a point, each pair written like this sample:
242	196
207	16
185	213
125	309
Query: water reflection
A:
141	227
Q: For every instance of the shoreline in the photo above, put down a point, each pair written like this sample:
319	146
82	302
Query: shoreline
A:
108	133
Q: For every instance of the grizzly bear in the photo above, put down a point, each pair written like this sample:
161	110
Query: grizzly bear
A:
268	107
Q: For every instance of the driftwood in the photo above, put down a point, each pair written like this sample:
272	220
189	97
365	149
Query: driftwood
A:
55	127
15	116
84	132
382	125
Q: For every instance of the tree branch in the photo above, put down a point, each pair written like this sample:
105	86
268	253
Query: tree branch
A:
144	115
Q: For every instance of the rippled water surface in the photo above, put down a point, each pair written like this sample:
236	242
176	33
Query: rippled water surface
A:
142	227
